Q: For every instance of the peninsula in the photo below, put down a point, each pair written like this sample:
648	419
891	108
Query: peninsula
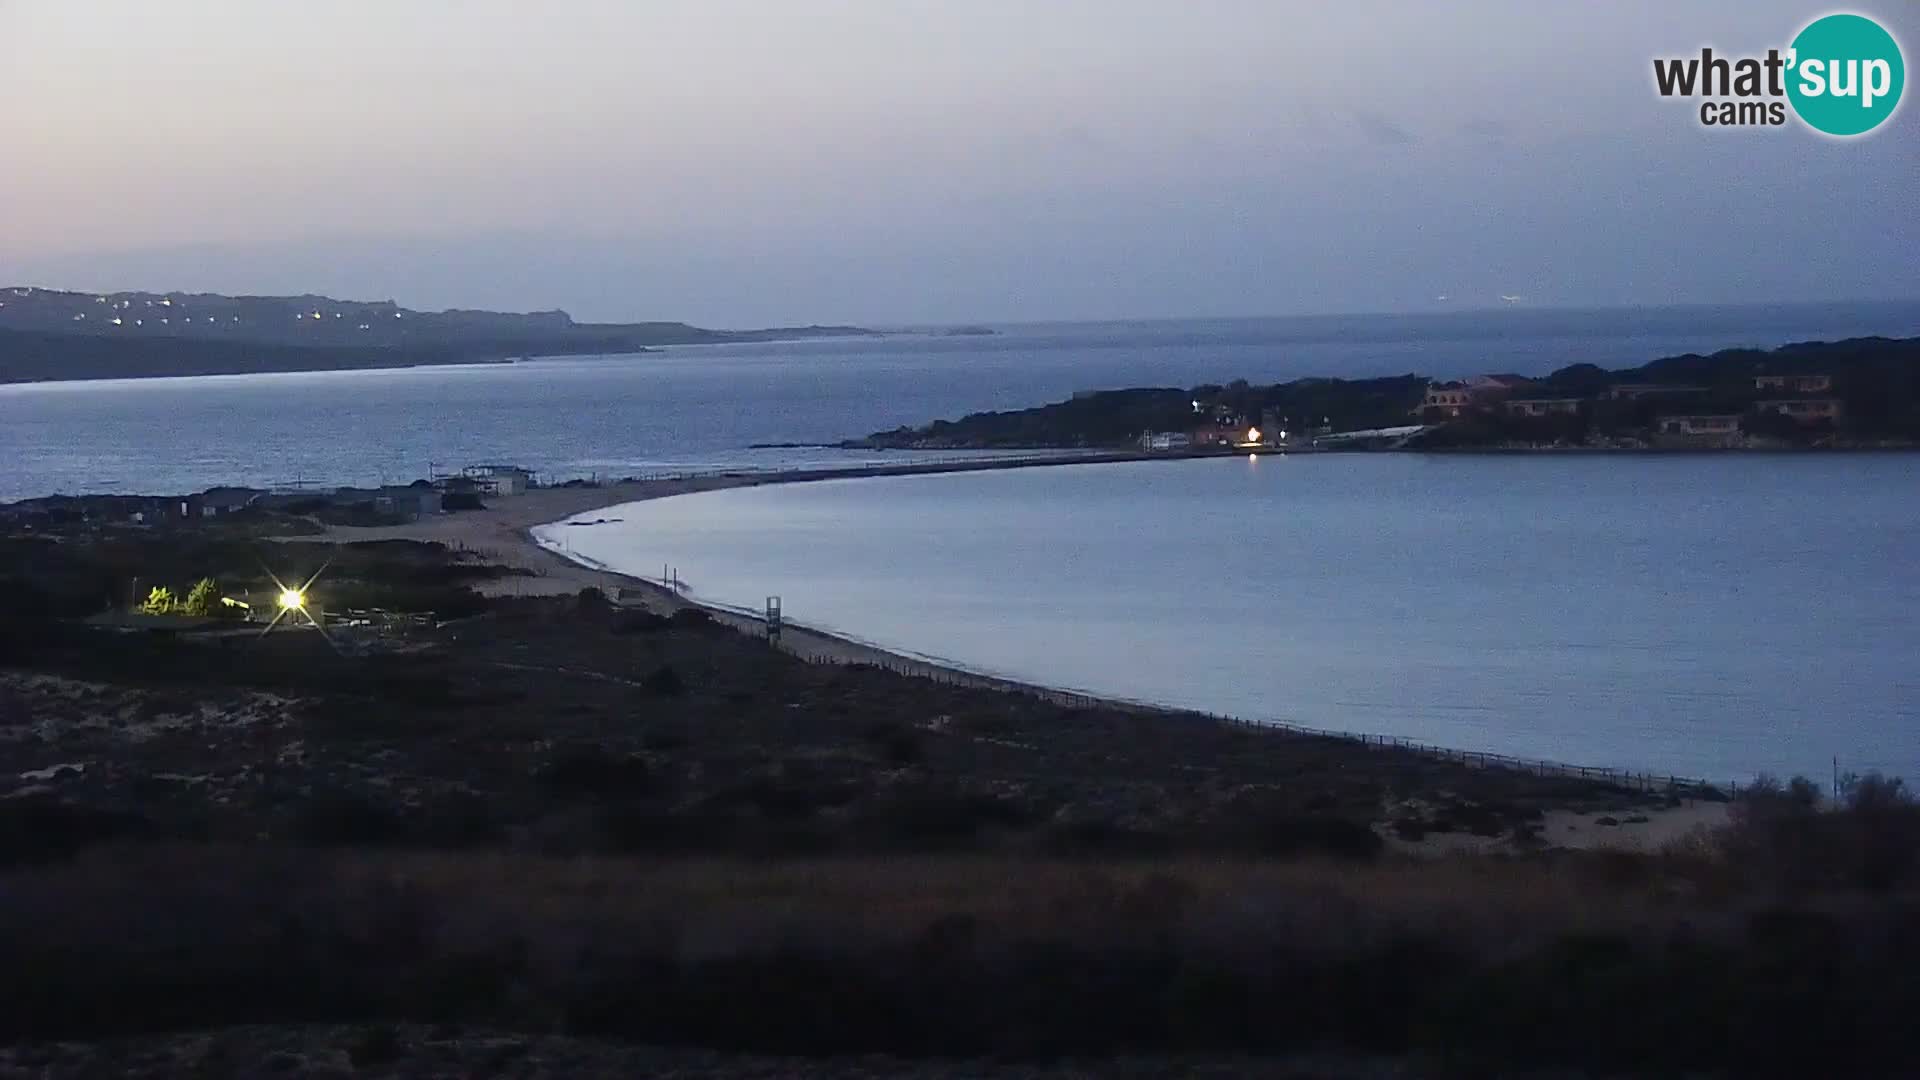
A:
49	334
1862	392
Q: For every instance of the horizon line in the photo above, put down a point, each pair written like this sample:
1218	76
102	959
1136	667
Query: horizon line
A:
1492	308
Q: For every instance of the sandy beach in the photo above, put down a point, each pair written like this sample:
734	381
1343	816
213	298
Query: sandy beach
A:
502	534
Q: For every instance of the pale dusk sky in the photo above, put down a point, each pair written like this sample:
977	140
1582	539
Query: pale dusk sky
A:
892	162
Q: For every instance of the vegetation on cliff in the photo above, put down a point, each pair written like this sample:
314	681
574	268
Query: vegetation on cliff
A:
48	334
1876	382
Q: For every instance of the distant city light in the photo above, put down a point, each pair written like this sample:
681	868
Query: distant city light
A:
116	320
1253	434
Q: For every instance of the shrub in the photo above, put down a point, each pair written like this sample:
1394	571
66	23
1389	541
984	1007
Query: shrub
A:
457	820
936	819
1875	794
376	1046
1103	838
1884	830
689	618
665	681
898	743
1315	834
639	622
1871	840
340	819
36	829
593	770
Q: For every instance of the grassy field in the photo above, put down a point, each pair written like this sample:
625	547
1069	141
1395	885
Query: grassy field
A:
1620	962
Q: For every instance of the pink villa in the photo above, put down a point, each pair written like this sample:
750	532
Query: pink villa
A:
1477	391
1450	398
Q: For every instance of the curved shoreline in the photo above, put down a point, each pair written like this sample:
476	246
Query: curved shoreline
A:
816	645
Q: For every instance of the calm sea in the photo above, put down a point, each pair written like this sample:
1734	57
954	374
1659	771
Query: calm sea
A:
1714	616
705	406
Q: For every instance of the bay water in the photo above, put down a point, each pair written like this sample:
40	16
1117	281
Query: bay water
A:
1714	616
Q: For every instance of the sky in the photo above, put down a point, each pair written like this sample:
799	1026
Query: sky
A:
900	162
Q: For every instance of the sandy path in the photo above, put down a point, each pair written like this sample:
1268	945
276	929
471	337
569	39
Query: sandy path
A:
500	533
1655	828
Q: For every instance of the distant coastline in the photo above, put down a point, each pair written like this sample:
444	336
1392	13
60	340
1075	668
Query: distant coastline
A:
51	335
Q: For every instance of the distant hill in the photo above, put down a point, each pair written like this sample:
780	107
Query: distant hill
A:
1874	381
48	334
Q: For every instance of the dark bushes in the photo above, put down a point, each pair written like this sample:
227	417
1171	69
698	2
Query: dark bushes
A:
665	681
1267	823
930	818
1316	835
345	819
689	618
960	958
591	770
37	828
897	742
341	819
1780	836
639	622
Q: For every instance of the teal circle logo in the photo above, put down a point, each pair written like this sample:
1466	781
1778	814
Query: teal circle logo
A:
1845	74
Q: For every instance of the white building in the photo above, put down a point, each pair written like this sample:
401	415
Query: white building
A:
499	480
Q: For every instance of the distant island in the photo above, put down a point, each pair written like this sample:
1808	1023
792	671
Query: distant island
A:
49	334
1862	392
969	331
